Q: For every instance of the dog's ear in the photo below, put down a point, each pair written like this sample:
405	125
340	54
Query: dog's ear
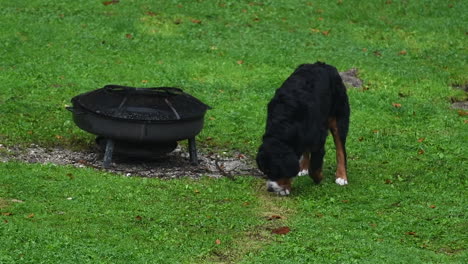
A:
291	166
260	159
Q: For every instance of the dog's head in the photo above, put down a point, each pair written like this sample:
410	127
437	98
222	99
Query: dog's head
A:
280	164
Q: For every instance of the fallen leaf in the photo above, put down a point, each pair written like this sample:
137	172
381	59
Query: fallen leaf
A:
411	233
7	214
129	36
465	121
218	242
144	81
315	30
462	113
106	3
151	13
432	206
421	140
240	62
326	32
196	21
274	217
375	131
396	105
388	181
138	218
31	216
281	230
420	152
403	52
246	204
345	201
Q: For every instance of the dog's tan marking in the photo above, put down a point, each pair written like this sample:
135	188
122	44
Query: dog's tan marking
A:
317	176
341	176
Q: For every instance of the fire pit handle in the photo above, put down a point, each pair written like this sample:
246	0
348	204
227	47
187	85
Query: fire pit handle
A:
118	88
75	110
152	90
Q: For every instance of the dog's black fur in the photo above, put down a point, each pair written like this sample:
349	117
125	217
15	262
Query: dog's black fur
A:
298	120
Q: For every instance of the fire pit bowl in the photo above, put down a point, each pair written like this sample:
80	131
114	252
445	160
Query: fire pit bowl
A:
152	116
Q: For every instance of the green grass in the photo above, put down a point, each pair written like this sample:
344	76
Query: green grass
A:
406	200
80	216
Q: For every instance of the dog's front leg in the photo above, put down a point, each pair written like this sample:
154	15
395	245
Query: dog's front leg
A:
304	164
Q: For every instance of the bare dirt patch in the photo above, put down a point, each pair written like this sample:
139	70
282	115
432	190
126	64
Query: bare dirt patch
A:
351	79
174	165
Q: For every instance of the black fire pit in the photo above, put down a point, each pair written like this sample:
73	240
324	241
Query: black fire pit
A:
139	121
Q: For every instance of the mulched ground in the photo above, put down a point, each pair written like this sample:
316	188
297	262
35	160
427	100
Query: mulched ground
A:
174	165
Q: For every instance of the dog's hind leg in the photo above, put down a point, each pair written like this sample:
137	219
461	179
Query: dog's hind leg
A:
316	163
304	164
339	130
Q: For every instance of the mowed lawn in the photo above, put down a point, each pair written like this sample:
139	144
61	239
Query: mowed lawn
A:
406	201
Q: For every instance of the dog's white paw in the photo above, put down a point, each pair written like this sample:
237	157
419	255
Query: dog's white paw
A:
341	181
303	172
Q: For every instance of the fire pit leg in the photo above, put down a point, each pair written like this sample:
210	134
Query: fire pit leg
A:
193	151
108	153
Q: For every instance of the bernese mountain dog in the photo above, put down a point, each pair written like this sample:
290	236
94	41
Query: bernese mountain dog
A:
310	102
